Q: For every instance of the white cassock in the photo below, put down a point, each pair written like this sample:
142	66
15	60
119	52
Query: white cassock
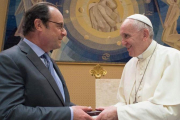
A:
158	95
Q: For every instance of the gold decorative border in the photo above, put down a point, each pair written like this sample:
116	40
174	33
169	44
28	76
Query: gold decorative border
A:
3	7
94	63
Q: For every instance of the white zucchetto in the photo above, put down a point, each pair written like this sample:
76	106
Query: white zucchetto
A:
141	18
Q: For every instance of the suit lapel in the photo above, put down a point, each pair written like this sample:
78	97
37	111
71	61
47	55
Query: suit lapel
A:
41	67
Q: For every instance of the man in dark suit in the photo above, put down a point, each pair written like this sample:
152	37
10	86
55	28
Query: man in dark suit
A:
29	88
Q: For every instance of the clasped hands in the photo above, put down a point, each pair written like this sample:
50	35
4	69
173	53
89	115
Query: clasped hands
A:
104	15
108	113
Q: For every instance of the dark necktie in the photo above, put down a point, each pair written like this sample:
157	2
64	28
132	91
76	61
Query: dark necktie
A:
49	65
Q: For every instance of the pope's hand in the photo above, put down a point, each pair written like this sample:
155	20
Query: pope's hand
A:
108	113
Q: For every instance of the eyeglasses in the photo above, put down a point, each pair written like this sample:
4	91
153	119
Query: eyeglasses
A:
60	25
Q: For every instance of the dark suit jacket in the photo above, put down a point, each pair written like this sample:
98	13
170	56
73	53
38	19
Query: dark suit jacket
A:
27	89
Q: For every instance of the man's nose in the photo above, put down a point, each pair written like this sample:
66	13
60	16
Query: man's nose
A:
123	42
64	32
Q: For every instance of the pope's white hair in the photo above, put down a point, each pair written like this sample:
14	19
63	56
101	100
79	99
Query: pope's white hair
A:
140	25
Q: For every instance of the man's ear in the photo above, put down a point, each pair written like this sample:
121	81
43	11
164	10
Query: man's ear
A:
38	24
146	34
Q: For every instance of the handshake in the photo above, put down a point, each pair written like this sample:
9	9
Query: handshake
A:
86	113
104	15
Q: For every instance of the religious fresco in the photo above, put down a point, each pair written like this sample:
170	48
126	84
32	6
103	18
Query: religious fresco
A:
23	6
170	35
93	26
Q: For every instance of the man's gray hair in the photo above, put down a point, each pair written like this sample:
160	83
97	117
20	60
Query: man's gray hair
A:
140	25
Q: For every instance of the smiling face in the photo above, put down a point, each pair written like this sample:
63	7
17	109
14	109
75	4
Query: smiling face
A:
133	39
54	32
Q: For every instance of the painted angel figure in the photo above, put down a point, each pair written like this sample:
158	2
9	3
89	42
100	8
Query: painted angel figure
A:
170	35
24	5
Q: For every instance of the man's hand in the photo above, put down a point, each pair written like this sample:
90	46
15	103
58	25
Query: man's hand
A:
108	113
80	113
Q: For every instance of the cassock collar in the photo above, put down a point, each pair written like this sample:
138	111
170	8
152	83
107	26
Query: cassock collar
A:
148	51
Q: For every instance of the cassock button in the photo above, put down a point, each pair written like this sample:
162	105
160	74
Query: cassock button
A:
141	73
140	88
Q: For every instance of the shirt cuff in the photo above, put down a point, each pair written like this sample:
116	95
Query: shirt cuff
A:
72	115
119	104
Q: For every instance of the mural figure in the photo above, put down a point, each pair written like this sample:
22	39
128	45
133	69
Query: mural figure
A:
170	35
24	5
95	30
147	1
104	15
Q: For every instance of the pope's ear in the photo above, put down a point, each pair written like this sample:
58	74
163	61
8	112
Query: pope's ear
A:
38	24
146	34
